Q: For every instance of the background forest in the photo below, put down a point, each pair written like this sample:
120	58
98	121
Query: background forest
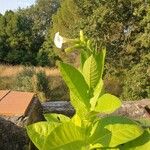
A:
123	26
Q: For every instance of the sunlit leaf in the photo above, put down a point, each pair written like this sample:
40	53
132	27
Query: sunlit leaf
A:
58	118
141	143
67	136
38	133
91	71
76	82
107	103
114	130
98	91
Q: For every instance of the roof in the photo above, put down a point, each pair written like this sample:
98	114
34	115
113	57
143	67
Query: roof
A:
14	103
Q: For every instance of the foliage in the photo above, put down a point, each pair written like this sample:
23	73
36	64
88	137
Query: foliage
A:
122	26
41	86
26	36
113	84
15	39
137	81
86	130
23	80
23	32
56	90
65	25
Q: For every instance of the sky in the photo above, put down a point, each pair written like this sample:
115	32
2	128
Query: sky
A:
14	4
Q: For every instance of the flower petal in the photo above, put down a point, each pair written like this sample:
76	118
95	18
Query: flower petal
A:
58	40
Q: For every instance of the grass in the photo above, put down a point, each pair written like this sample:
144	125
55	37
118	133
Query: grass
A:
45	82
9	71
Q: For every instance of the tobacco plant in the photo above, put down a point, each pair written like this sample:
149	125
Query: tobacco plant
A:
93	127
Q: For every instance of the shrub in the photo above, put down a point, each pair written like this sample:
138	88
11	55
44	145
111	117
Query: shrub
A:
24	80
41	86
113	85
137	81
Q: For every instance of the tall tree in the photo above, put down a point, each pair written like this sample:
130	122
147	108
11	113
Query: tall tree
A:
121	25
16	39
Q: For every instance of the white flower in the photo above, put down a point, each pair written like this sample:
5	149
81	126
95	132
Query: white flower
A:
58	40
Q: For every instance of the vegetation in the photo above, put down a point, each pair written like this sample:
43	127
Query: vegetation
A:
122	26
45	82
22	33
86	130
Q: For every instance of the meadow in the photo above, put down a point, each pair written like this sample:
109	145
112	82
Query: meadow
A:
45	82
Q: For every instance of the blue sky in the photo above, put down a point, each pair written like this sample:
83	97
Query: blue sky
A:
14	4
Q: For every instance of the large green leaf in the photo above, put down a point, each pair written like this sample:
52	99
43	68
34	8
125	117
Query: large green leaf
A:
107	103
58	118
91	71
141	143
80	107
38	133
114	130
76	82
98	91
93	68
76	120
67	136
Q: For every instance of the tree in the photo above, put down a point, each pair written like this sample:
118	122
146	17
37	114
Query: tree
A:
120	25
41	15
66	21
16	39
23	32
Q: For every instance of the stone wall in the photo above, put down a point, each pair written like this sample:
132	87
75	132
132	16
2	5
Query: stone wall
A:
131	109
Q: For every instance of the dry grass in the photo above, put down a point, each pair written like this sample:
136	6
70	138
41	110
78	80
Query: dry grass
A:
9	80
10	71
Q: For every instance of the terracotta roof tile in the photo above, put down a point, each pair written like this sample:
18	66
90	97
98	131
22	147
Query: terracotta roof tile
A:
15	103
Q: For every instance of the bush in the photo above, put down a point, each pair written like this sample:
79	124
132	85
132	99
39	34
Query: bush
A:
137	81
113	85
41	86
23	80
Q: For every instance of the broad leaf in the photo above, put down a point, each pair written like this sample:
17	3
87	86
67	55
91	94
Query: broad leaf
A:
98	91
76	120
91	71
107	103
141	143
93	68
114	130
76	82
80	107
58	118
38	133
67	136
